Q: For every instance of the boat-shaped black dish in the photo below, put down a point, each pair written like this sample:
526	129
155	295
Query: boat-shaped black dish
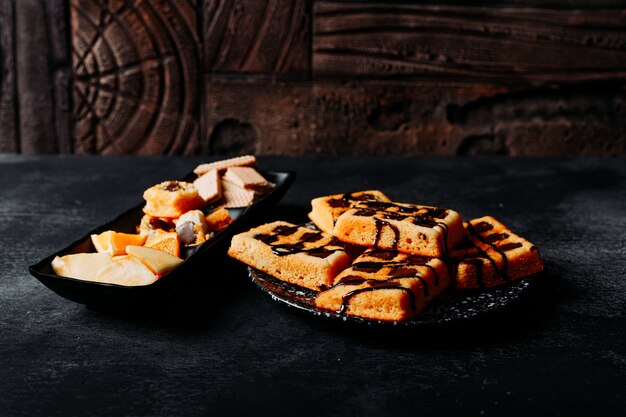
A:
104	296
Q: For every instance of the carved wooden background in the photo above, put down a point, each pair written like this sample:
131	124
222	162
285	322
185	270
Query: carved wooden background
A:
526	77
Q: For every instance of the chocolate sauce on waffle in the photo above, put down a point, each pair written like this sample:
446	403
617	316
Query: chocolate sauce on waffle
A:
495	237
477	260
510	246
382	254
293	248
403	269
423	216
505	260
348	199
346	298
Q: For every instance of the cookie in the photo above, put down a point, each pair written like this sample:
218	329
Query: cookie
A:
171	199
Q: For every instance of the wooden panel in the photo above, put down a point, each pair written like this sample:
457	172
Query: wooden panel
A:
570	120
8	133
270	118
512	45
135	76
251	36
41	58
412	118
391	118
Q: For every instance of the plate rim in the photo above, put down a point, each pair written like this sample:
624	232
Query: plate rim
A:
527	285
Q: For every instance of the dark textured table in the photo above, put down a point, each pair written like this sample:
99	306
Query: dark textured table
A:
227	349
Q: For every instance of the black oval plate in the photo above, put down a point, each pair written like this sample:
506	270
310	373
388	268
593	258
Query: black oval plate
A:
111	296
451	307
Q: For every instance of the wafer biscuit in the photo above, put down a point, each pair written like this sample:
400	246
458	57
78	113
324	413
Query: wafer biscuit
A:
491	255
220	166
245	177
209	186
235	196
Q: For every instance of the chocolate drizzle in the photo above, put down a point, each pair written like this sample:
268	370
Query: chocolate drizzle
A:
398	270
495	237
482	227
298	247
423	216
474	231
171	186
349	199
387	255
510	246
157	223
384	286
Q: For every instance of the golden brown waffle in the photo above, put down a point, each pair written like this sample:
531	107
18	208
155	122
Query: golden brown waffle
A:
326	210
409	228
296	254
386	285
491	255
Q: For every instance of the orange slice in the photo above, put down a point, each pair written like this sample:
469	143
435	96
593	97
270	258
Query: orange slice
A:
166	242
218	220
114	243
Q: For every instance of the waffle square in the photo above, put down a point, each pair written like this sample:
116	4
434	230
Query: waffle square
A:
386	285
326	210
295	254
491	255
408	228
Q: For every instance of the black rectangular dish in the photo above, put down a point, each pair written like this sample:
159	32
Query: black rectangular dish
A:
111	296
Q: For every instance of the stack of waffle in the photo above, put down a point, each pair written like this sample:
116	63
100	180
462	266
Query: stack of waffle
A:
383	260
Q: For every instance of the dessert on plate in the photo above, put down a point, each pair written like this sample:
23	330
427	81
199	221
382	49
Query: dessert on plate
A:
374	258
408	228
386	285
491	254
326	210
292	253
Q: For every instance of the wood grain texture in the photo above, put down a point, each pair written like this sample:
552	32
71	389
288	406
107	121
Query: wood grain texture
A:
135	76
260	117
511	45
251	36
8	121
41	64
411	118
